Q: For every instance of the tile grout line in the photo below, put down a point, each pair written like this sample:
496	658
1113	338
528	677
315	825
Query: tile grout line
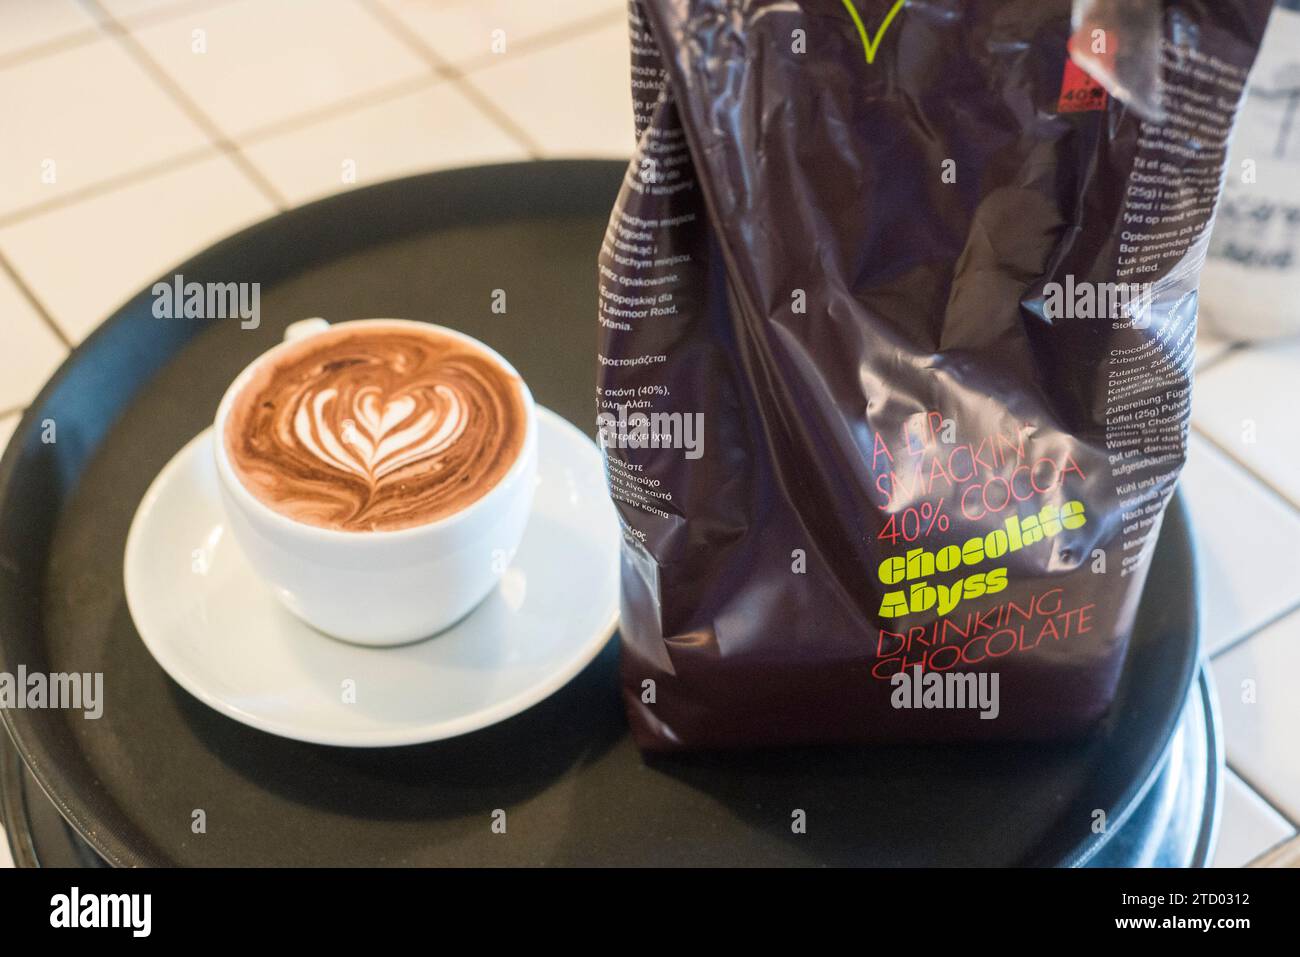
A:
1238	349
1269	850
205	123
151	18
112	184
1236	460
400	31
496	115
160	14
84	35
338	108
543	41
548	38
60	44
30	295
1254	789
1267	624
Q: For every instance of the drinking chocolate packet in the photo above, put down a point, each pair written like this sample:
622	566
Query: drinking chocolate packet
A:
897	318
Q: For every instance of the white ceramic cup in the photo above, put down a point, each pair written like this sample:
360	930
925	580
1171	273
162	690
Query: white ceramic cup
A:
381	587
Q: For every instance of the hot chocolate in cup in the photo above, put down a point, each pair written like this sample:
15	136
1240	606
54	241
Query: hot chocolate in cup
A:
378	474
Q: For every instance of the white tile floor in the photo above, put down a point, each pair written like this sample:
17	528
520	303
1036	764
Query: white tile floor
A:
382	141
200	116
34	25
76	262
249	65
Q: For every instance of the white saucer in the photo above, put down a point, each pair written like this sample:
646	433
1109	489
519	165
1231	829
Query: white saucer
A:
221	634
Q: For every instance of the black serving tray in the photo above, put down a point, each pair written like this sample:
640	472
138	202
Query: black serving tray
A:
1174	825
575	789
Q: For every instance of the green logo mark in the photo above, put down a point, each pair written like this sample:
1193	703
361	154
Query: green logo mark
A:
869	45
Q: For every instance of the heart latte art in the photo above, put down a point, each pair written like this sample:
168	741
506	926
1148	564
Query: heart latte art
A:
376	429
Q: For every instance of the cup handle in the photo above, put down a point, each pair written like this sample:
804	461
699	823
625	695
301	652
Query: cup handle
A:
304	328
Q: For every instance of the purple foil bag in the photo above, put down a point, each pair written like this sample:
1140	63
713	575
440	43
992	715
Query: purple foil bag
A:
897	322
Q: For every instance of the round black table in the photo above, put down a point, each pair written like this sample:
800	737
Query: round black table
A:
437	246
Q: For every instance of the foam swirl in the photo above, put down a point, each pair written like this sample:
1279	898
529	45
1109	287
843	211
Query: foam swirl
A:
375	428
